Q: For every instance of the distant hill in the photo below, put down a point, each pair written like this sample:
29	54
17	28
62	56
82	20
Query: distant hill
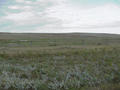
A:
45	35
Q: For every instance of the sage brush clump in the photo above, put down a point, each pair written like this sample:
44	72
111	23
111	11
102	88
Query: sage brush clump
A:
64	71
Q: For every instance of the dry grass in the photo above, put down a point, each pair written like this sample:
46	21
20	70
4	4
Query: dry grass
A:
70	62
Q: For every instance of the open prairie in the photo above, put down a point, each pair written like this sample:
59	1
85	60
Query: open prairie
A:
76	61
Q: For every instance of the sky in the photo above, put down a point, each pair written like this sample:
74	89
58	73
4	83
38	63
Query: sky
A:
60	16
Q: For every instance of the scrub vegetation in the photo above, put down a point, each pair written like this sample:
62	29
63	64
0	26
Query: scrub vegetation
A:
59	61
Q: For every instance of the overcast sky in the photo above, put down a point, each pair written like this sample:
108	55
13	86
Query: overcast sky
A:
53	16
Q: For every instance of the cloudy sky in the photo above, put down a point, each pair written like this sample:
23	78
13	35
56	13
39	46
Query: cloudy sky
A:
52	16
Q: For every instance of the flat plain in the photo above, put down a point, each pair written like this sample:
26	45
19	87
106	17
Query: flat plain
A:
71	61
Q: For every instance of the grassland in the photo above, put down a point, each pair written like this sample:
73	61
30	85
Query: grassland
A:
59	61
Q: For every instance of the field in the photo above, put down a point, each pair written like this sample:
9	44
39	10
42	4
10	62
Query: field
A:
59	61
